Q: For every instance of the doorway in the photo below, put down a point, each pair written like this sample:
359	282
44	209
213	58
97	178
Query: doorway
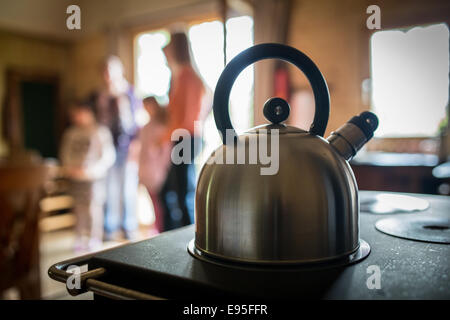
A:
38	110
32	118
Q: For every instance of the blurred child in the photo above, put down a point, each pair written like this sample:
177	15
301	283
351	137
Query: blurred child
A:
87	152
154	161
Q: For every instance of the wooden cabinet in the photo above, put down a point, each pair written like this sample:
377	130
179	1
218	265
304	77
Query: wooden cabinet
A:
396	172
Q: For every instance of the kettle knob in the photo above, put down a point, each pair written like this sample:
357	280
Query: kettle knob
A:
367	122
276	110
353	135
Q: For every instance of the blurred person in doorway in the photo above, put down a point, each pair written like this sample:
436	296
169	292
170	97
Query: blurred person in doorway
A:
116	107
87	153
154	160
184	109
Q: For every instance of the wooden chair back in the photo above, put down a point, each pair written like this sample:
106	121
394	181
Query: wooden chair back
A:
20	192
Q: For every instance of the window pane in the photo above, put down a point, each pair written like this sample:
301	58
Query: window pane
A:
206	39
410	80
152	72
207	48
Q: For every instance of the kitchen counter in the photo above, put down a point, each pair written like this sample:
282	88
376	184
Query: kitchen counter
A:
162	267
389	159
397	172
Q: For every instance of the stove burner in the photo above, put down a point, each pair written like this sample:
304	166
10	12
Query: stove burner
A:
360	254
427	228
386	203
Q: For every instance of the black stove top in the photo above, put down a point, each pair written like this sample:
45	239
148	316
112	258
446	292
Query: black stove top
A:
162	267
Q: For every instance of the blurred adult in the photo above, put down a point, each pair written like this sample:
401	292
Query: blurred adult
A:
184	109
116	107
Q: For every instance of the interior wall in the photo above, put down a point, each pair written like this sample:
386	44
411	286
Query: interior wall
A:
86	56
34	54
118	13
43	17
334	35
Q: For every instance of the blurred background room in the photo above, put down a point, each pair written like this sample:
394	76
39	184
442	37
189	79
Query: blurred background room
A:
56	83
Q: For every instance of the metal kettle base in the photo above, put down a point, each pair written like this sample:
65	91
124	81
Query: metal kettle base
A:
361	253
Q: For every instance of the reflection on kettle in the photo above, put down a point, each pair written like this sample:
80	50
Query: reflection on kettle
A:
306	212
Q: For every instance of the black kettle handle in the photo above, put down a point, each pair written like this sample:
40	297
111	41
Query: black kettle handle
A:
268	51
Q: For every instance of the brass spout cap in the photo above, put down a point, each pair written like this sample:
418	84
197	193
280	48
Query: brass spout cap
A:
353	135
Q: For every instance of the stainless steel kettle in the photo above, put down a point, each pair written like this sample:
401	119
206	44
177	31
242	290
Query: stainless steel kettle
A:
307	212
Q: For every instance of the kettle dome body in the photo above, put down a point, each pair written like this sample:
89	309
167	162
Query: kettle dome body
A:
306	212
297	203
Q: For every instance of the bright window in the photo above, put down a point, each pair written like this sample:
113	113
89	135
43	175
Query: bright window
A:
410	80
153	75
152	72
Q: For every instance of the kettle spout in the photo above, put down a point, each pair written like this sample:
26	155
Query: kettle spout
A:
352	136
